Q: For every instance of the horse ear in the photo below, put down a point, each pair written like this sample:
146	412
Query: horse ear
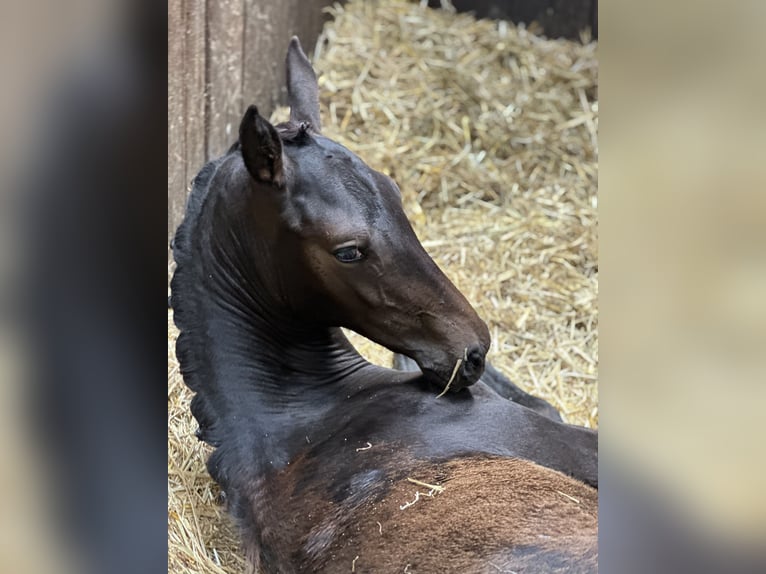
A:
302	87
261	148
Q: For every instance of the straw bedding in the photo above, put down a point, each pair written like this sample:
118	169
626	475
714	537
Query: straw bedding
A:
490	132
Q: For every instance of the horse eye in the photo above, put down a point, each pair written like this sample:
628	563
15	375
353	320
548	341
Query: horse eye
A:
348	254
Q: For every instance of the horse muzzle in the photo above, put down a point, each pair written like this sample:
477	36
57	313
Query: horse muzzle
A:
464	372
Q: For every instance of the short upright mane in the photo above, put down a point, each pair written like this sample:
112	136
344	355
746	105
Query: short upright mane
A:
185	298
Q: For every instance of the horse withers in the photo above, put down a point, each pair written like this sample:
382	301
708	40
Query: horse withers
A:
330	463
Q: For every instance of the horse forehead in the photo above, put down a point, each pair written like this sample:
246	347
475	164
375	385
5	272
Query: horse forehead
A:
326	173
331	147
323	160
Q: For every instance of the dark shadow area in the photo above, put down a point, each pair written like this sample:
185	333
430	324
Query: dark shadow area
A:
558	18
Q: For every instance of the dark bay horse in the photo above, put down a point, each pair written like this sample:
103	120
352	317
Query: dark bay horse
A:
330	463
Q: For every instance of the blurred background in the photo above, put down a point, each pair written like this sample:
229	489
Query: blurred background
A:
681	262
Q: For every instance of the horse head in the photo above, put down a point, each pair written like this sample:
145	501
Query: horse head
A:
347	255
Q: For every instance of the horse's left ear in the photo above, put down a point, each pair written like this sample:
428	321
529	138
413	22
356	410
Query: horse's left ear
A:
302	87
261	148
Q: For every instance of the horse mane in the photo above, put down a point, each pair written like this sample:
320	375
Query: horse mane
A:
187	309
200	186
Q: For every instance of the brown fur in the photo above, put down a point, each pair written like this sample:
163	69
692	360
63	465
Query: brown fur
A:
494	515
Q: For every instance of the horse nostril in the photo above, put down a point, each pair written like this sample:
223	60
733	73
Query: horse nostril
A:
475	359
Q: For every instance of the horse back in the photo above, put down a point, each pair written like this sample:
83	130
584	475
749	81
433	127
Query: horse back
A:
474	514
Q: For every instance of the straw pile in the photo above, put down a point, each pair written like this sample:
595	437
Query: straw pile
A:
490	132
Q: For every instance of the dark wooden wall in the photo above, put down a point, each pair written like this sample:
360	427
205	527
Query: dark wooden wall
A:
222	56
558	18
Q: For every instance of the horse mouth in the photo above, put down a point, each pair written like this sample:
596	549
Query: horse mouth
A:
464	372
452	381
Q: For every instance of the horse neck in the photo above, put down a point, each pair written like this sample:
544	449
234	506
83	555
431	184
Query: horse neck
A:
248	358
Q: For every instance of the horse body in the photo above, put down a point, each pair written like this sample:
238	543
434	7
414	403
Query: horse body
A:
287	237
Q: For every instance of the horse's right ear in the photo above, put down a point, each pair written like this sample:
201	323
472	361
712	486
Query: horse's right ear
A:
302	87
261	148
